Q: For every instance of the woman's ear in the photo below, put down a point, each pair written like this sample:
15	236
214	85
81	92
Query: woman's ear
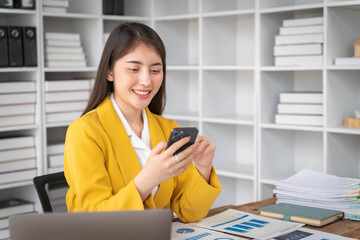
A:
109	75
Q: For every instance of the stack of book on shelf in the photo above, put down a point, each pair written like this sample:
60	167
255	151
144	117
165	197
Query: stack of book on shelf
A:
17	103
55	6
300	42
17	159
55	153
300	108
65	100
64	50
11	207
315	189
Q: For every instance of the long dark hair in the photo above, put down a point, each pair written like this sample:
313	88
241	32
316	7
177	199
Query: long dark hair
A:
122	40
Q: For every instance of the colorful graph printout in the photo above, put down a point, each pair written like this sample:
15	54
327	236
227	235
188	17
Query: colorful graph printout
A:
247	224
181	231
310	234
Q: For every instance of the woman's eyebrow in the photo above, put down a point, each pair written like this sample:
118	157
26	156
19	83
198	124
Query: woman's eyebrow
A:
140	63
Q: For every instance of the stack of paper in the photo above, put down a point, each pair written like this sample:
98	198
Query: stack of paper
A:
300	42
66	99
311	188
64	50
300	108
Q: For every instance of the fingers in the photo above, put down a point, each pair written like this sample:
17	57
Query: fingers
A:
173	148
159	148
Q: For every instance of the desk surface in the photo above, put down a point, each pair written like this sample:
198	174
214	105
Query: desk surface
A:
343	227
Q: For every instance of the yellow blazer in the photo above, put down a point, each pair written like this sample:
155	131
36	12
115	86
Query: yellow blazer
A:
100	165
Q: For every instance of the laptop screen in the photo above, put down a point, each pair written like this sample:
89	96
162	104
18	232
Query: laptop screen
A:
127	225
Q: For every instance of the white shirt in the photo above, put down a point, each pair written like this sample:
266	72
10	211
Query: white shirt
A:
141	146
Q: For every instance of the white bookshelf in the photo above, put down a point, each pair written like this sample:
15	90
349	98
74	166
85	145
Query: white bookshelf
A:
221	78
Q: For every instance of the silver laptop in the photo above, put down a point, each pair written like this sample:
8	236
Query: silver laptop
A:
127	225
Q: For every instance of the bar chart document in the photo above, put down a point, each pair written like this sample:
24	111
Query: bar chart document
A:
182	231
247	224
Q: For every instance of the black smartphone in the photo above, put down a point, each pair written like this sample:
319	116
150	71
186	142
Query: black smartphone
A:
179	133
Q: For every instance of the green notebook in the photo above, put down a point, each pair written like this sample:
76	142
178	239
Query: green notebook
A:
303	214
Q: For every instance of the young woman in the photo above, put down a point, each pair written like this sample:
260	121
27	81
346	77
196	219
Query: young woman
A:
115	156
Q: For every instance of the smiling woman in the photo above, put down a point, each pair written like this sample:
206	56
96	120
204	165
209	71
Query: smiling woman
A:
115	156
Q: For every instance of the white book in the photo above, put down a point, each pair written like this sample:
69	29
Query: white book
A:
17	154
299	39
56	49
67	85
304	120
314	60
4	223
56	3
317	109
15	206
62	117
5	233
59	63
62	36
64	56
11	110
17	165
17	98
301	97
353	61
55	148
56	160
18	120
18	176
63	43
301	49
17	87
67	96
301	30
50	9
303	21
65	107
16	142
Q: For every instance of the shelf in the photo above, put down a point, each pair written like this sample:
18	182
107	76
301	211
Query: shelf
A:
235	120
240	171
291	127
275	9
84	69
16	184
19	128
343	129
71	16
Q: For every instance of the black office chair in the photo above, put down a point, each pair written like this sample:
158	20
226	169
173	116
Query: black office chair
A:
51	189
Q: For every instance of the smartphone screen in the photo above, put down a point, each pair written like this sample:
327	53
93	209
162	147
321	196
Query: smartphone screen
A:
179	133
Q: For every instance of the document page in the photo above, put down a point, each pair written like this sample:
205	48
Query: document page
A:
310	234
247	224
182	231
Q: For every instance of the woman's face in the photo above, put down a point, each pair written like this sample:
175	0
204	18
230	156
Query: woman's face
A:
137	78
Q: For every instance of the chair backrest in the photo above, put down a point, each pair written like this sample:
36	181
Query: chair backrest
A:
51	189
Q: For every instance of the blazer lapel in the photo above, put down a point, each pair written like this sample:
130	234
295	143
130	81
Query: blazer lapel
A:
157	135
123	150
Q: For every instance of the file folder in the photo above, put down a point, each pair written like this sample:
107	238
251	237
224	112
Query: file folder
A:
4	56
15	46
29	44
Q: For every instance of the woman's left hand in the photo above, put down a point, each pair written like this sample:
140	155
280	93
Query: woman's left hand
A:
204	155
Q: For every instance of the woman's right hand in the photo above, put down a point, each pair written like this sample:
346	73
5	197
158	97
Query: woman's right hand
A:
163	165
